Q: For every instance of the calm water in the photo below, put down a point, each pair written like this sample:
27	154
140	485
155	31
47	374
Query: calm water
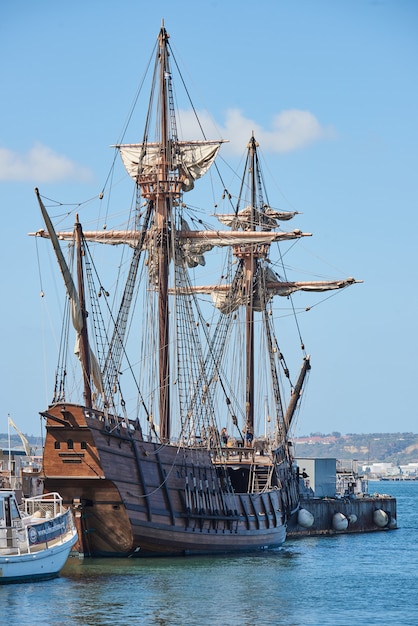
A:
359	579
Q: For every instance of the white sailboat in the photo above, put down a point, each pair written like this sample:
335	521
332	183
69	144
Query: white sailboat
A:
35	538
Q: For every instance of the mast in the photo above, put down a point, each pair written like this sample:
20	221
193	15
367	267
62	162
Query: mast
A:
249	267
84	341
78	304
161	234
250	254
297	391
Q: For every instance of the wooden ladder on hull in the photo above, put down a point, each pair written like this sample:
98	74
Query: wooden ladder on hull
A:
260	478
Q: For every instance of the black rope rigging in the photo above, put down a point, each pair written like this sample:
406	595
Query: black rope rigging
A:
110	359
61	372
228	195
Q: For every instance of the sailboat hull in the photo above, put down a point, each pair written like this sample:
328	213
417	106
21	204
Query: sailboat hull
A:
132	496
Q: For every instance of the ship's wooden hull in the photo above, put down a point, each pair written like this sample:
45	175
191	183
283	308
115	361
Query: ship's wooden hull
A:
132	496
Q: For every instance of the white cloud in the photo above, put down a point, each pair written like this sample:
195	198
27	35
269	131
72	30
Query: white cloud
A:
40	164
290	130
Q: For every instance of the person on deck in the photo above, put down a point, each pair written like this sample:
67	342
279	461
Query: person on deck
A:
249	436
224	437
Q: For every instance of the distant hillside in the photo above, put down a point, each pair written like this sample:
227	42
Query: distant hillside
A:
396	448
15	442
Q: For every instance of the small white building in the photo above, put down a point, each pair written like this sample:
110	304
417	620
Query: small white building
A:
409	470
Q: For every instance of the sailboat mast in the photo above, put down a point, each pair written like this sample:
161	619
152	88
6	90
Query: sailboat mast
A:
161	224
84	341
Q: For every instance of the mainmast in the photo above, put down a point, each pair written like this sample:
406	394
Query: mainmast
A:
158	186
161	235
164	168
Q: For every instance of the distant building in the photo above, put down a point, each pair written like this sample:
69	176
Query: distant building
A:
389	470
11	463
20	472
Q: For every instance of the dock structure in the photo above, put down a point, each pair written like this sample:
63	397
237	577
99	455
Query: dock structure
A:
335	500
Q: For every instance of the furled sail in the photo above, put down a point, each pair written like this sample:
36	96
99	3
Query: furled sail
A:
191	251
204	238
238	237
227	298
192	159
190	248
281	288
248	218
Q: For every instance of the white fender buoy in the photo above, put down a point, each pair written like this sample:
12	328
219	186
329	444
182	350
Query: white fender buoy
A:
392	523
339	521
380	518
352	519
305	518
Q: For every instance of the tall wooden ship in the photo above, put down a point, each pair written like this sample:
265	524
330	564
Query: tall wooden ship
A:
158	474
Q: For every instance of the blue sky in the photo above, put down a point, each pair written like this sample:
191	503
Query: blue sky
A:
330	88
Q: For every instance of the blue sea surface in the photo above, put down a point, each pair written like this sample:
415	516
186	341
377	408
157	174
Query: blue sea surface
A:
363	579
